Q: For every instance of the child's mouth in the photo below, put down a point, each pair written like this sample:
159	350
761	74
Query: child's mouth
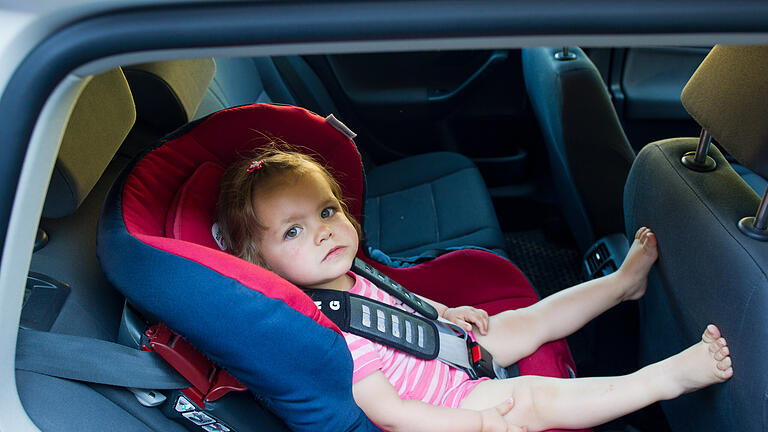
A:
334	252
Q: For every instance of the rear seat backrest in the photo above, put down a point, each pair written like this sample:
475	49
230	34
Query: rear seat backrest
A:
589	154
710	270
242	81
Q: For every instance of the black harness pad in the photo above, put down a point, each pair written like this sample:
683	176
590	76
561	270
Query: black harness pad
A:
379	322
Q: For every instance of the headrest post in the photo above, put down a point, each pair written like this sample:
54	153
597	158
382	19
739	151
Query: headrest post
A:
565	54
757	227
699	160
761	218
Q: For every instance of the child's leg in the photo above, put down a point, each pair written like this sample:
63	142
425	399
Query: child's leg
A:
515	334
543	403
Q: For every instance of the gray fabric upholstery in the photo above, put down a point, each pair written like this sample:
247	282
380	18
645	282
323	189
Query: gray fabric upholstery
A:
430	201
101	119
58	405
727	96
588	152
757	183
708	272
241	81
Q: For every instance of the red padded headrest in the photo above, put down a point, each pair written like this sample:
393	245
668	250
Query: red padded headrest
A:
169	198
177	184
193	207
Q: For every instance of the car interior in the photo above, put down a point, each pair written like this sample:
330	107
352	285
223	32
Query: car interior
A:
539	156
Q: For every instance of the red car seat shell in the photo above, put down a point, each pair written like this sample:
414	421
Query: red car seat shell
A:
156	247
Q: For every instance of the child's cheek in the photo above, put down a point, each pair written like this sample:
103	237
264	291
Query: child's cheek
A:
293	252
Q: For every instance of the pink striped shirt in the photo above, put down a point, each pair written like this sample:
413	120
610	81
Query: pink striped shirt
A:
430	381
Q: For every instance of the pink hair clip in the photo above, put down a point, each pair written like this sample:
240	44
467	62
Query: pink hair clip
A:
255	165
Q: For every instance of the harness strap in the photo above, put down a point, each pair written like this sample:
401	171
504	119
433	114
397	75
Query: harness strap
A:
404	331
379	322
394	288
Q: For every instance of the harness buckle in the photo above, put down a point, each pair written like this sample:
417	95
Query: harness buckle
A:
480	359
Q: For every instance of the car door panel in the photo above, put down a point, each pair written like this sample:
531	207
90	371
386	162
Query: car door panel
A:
645	83
654	78
471	102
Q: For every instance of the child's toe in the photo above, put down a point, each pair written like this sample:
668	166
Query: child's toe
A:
719	355
711	334
724	364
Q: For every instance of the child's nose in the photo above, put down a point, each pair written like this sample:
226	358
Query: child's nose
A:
324	233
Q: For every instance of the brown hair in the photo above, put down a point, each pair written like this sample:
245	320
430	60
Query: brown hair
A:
241	182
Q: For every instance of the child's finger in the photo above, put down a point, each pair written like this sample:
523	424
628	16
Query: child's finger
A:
505	407
480	319
484	323
464	324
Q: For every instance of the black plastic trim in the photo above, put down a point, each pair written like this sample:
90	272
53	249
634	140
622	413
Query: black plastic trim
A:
223	24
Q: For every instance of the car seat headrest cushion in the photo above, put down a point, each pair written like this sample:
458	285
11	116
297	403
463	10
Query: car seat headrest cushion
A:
168	93
193	208
169	198
727	96
101	119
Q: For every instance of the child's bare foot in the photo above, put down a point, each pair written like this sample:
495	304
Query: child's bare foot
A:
706	363
634	270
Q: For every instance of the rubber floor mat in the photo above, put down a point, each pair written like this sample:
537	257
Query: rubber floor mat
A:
549	265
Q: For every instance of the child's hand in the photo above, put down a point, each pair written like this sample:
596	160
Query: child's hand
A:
493	418
465	316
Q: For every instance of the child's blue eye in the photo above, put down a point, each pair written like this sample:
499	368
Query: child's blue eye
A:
293	232
327	212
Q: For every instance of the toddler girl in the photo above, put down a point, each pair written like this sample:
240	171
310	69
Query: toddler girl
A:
284	211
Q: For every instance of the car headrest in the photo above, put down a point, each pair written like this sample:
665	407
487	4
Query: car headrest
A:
101	119
728	96
168	93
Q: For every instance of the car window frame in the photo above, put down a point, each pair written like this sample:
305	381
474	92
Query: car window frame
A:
38	95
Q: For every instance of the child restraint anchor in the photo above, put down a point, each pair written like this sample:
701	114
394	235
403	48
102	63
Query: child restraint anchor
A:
424	335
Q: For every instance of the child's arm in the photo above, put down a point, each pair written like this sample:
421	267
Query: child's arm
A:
463	316
381	403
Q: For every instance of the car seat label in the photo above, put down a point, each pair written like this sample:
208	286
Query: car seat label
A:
339	126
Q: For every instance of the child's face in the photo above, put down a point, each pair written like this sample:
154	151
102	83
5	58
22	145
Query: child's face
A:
308	239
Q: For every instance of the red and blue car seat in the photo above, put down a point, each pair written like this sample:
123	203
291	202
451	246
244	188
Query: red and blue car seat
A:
156	247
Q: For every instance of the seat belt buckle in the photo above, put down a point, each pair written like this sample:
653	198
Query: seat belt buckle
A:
476	353
480	359
209	382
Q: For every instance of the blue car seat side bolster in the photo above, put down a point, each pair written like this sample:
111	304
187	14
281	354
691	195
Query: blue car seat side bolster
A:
241	329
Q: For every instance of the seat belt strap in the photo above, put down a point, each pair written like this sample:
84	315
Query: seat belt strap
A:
93	360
